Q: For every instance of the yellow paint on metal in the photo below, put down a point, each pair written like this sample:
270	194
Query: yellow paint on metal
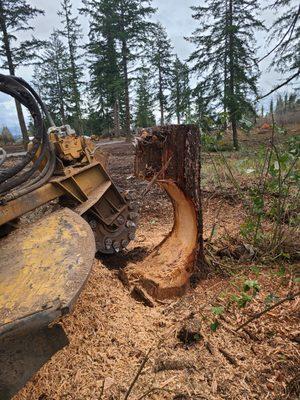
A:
43	264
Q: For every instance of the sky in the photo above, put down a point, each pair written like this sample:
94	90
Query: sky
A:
175	15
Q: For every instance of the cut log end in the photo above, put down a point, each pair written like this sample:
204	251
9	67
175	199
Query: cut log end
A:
167	271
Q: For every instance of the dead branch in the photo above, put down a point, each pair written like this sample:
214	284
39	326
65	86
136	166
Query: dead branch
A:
102	389
146	358
228	357
258	315
154	389
281	85
155	177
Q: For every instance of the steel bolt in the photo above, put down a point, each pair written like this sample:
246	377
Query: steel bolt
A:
130	224
108	243
93	224
127	196
131	235
133	215
120	220
116	246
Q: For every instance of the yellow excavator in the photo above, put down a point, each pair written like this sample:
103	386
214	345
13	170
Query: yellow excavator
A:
45	263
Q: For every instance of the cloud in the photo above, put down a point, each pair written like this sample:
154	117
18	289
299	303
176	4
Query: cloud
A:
175	15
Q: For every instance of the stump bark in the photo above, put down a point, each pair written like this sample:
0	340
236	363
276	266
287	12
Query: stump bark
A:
170	155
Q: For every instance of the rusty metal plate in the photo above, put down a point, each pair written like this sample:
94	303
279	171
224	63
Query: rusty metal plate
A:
42	271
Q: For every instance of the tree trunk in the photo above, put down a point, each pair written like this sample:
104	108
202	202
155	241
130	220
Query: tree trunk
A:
232	103
225	127
177	99
61	97
11	68
22	124
126	88
117	118
161	97
76	93
171	155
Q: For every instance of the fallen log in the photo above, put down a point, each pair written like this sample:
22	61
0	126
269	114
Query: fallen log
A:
170	157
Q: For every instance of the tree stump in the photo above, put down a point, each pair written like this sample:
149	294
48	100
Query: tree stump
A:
170	156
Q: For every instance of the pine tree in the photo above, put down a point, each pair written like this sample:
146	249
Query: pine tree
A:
72	32
133	25
144	100
271	108
106	84
180	91
51	80
6	136
203	112
225	58
118	32
14	19
161	60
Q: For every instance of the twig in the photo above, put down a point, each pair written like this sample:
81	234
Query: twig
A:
290	30
212	232
281	85
102	389
258	315
216	170
137	374
155	389
155	177
233	179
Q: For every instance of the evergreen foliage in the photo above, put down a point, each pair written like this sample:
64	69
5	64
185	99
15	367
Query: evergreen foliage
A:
6	136
225	60
144	116
118	32
72	33
287	29
161	59
51	80
106	83
180	92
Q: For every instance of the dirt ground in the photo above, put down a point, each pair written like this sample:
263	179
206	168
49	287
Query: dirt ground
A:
111	333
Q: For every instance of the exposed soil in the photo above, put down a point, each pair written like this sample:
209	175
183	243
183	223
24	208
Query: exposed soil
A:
110	332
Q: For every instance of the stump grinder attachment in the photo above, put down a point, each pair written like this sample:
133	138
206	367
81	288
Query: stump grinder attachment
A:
45	264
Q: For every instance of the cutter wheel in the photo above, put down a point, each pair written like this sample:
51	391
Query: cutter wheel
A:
115	237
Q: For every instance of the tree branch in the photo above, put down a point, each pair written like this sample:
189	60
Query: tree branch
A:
291	28
258	315
281	85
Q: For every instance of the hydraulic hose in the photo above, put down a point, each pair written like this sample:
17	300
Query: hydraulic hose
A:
18	178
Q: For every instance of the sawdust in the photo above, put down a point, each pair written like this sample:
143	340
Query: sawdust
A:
110	332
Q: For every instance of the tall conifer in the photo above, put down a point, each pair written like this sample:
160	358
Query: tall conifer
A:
225	57
15	16
72	33
180	91
162	62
